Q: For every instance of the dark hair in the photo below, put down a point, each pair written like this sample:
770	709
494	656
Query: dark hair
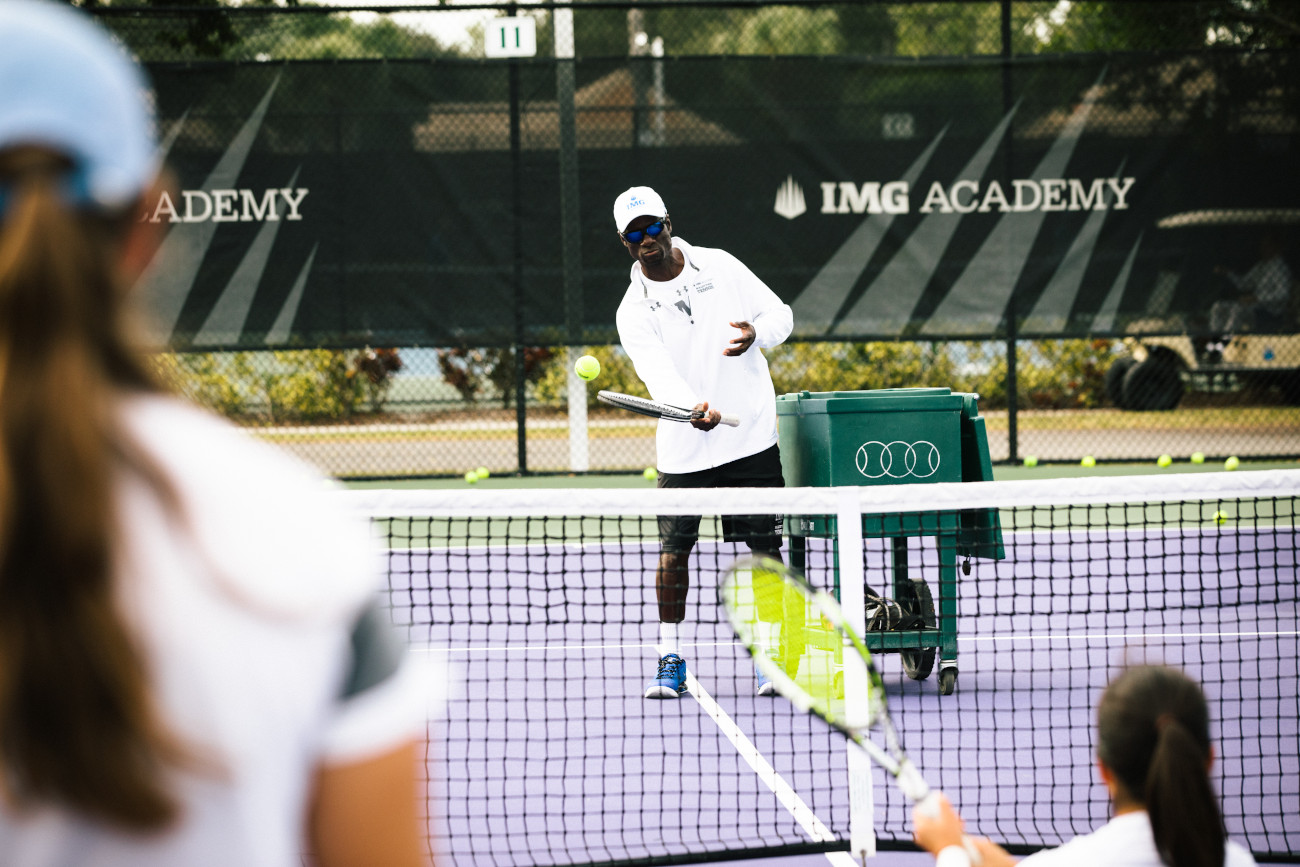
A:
78	727
1153	733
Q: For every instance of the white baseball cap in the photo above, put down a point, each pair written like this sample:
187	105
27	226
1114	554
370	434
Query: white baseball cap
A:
67	85
637	202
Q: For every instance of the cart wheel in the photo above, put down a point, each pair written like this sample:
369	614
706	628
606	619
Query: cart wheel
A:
914	598
947	680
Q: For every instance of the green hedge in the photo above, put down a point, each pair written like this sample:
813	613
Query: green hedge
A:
284	386
333	385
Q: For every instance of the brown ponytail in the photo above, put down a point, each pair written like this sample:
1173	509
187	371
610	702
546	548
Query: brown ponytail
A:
77	726
1154	735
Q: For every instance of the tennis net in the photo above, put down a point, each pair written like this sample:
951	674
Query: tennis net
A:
542	605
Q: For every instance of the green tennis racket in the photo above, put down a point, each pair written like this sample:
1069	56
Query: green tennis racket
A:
800	642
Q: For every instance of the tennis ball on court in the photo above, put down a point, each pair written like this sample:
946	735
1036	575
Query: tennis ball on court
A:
587	367
1198	457
471	477
482	472
1088	461
1220	517
1231	463
1031	461
1164	460
650	473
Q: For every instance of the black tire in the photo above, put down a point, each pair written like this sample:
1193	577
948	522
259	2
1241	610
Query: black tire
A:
1115	380
914	597
1153	385
947	681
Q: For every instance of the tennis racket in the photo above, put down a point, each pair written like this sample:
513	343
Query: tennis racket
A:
799	639
655	409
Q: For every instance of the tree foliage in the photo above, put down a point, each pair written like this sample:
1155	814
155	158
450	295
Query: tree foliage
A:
215	29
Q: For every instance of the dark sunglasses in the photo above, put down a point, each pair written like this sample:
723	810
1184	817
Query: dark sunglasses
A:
636	235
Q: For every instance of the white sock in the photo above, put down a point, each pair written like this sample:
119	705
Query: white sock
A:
668	640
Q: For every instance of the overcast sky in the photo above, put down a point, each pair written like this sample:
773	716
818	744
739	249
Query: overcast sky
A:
450	28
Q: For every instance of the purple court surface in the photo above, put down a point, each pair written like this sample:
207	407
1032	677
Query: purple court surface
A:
548	754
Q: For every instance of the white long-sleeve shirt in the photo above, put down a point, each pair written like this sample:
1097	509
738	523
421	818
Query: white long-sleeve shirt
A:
675	333
245	608
1124	841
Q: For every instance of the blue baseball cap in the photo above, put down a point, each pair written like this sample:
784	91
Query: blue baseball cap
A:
67	85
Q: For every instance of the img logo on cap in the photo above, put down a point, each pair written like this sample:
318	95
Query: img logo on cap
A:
637	202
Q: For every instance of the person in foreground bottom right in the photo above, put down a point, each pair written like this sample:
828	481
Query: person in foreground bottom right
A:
1154	755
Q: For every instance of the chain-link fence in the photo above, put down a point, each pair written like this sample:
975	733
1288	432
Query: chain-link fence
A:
1085	212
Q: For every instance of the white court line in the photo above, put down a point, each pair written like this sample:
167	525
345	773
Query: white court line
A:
527	648
1126	636
802	813
745	748
768	775
1050	637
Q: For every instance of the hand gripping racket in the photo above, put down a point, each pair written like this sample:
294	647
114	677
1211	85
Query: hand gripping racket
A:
655	409
799	640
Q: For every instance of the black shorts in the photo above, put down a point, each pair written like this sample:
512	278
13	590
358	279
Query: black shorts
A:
678	533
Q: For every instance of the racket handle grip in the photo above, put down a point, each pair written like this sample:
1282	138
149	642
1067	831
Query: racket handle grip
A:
730	420
929	806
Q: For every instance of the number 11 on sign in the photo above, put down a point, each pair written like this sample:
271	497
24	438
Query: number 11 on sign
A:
511	37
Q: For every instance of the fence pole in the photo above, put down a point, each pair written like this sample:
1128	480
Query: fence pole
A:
1013	447
516	171
571	243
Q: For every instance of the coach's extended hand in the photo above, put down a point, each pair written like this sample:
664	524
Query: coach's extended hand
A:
744	341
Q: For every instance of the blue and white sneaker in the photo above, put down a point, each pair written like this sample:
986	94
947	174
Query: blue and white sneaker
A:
765	686
670	680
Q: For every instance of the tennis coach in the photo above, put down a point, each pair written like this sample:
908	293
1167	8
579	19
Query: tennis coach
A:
693	321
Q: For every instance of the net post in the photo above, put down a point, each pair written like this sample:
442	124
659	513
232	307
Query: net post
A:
848	554
571	245
579	461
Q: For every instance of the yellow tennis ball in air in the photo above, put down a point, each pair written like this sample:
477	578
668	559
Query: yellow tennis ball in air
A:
1088	461
1231	463
1198	457
1031	461
587	367
471	477
1220	517
1164	460
482	473
650	473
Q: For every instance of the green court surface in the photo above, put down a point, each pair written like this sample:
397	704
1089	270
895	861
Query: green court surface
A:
1001	472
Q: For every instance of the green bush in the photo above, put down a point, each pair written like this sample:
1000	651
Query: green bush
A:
378	367
1062	374
219	381
1050	374
471	370
616	374
311	385
332	385
290	385
858	366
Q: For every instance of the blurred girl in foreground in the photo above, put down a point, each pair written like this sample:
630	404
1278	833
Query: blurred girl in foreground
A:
192	669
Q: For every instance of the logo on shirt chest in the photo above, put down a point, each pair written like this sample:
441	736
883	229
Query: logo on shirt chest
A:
683	302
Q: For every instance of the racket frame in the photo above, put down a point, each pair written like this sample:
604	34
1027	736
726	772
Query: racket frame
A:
656	409
891	758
